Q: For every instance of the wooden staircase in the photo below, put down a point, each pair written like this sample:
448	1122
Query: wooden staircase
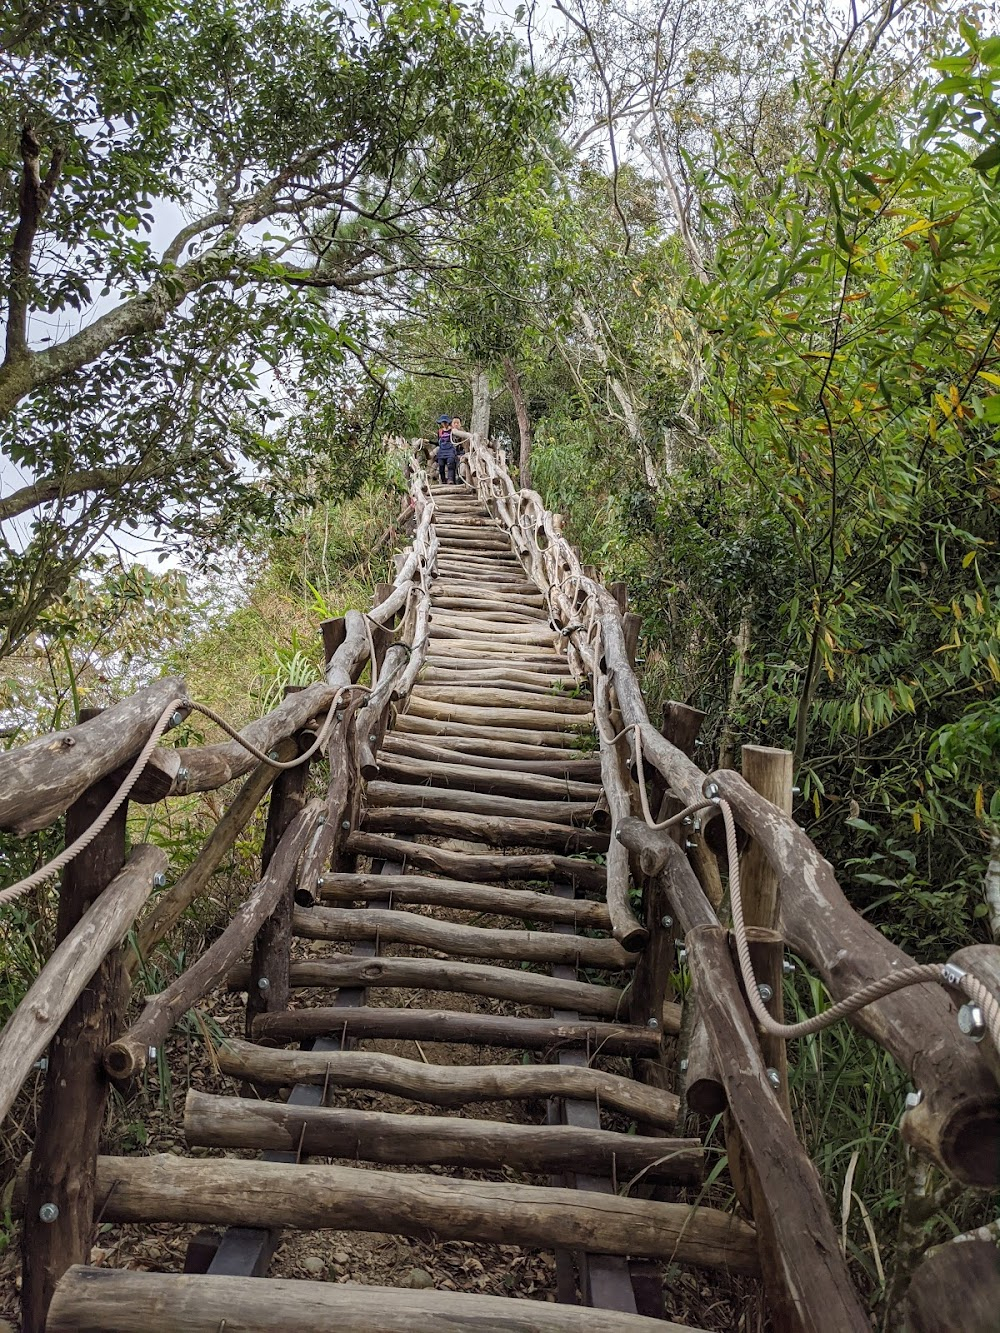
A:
480	936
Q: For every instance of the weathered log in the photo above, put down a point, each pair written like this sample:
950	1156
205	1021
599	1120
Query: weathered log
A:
306	1196
206	767
394	927
271	947
446	1085
423	1140
402	795
769	772
467	896
342	798
496	830
453	1026
423	726
128	1054
627	928
500	983
659	856
541	685
488	869
74	961
468	776
553	701
170	906
106	1300
487	602
416	1205
955	1290
958	1119
804	1271
538	719
484	752
75	1091
40	780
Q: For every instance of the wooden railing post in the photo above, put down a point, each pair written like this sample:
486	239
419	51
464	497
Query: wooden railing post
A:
269	989
59	1212
769	771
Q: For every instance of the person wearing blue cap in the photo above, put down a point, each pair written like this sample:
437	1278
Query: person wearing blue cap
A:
447	458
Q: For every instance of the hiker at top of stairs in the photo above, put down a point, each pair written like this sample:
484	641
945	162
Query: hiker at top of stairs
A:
447	457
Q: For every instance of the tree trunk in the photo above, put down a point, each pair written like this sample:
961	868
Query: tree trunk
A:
523	422
481	403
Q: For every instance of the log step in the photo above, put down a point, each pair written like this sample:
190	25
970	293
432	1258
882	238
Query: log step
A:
107	1300
488	869
494	830
495	696
410	724
424	932
423	1140
484	715
446	1085
443	975
397	795
485	752
306	1196
457	1027
496	781
466	895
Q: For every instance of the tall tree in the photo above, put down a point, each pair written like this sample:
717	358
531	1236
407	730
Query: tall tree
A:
318	159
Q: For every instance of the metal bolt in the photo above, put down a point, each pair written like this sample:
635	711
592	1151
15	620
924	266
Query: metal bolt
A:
272	754
699	744
971	1022
712	791
345	824
263	985
687	821
339	715
42	1064
618	834
652	1023
182	775
151	1053
373	739
176	719
774	1078
696	825
682	953
690	844
787	966
683	1066
319	882
159	880
913	1099
48	1212
796	791
765	992
666	922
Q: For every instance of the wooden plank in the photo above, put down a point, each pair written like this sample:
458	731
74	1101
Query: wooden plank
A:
470	776
957	1287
